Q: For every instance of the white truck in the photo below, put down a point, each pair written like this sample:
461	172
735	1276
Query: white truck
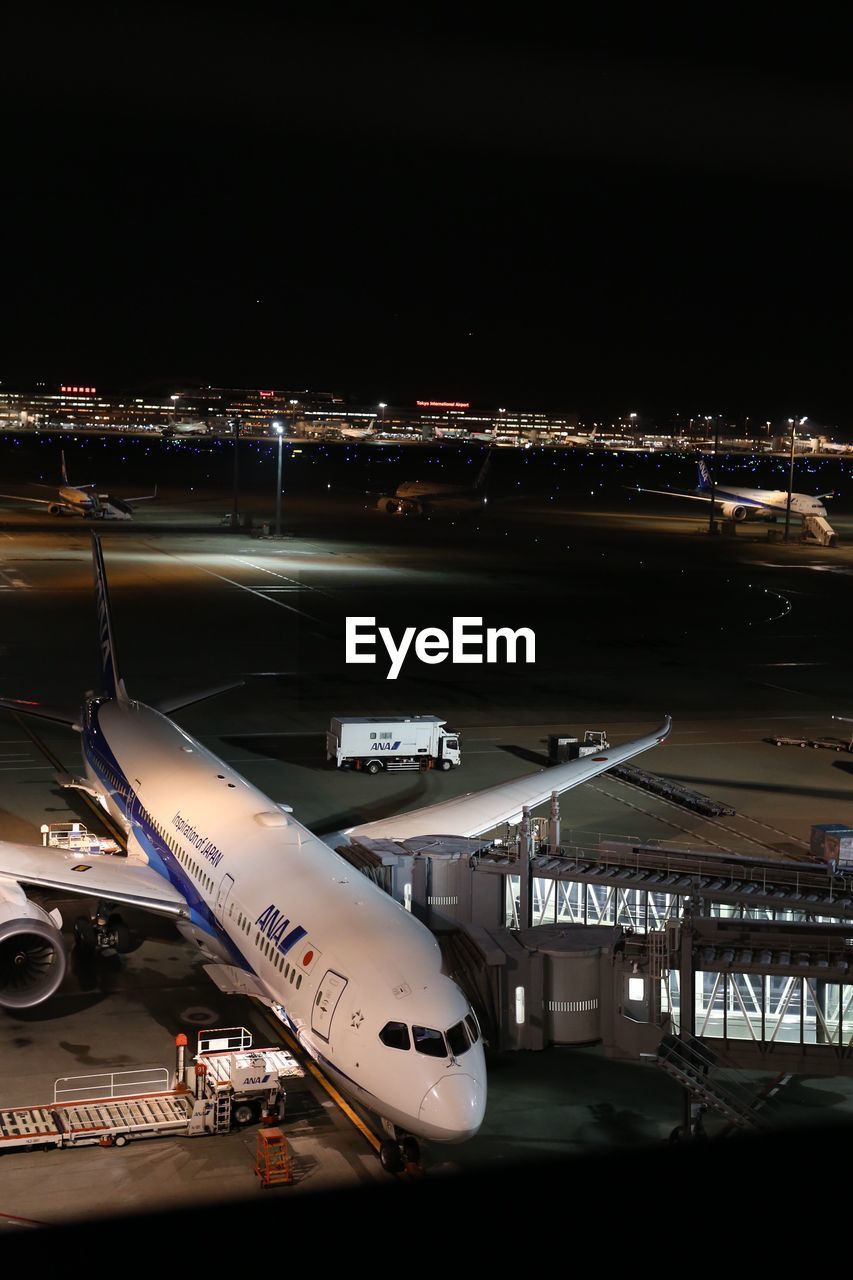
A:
374	743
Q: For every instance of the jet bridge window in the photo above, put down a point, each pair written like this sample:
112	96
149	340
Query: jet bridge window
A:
395	1035
429	1042
458	1040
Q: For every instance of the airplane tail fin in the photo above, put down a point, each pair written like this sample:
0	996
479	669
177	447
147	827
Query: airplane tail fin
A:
113	685
704	477
63	472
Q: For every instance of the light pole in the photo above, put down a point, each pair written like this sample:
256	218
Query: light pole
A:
279	430
792	422
712	526
174	400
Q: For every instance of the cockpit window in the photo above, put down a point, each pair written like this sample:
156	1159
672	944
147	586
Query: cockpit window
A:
473	1027
429	1042
458	1040
395	1035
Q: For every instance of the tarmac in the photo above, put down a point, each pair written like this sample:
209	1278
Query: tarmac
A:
636	615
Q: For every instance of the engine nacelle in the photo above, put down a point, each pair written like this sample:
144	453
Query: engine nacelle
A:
54	509
32	953
732	511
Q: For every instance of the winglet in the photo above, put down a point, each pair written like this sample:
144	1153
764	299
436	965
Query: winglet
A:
113	684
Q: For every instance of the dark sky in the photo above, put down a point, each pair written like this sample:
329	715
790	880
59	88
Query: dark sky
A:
651	218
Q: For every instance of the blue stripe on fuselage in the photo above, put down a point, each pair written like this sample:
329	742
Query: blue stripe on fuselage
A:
720	495
162	859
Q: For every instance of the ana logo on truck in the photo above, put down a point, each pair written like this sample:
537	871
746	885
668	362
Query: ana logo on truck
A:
385	746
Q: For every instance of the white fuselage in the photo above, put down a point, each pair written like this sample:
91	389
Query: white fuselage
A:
342	959
764	502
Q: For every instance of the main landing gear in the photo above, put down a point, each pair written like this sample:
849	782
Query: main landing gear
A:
103	932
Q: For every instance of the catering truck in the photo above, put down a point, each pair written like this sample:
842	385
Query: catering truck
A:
374	743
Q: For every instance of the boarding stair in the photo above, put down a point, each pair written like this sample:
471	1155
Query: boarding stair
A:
689	1061
818	529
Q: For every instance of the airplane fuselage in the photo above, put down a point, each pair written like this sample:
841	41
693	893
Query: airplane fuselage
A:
342	959
764	503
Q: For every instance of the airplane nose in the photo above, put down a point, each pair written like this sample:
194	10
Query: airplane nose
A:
454	1107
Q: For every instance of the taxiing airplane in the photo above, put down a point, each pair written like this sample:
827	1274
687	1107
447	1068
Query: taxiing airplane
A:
276	912
82	500
418	497
748	504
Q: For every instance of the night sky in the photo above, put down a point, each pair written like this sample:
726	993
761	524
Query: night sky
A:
650	219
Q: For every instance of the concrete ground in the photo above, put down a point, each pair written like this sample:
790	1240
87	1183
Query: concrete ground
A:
636	615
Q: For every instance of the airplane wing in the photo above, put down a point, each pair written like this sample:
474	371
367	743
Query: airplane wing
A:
23	706
42	502
100	876
669	493
480	811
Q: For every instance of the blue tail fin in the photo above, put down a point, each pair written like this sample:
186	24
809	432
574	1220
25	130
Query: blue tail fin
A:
113	685
704	477
63	472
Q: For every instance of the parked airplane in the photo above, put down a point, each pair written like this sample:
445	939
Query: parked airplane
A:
359	433
82	500
748	504
278	914
418	497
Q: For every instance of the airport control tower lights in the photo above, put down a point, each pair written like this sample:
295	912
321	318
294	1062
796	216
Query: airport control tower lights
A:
279	430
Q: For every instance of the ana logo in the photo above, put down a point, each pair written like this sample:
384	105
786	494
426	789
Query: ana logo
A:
385	746
273	924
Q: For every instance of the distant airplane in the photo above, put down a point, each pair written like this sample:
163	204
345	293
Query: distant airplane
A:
359	433
418	497
186	427
82	500
748	504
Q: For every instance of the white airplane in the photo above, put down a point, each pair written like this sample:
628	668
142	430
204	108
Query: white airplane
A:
359	433
82	500
277	913
186	427
748	504
417	497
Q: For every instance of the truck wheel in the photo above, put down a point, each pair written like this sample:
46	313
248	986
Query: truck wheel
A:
373	766
120	1140
243	1114
446	764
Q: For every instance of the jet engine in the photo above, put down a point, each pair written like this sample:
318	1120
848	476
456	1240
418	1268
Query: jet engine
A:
32	953
54	509
731	511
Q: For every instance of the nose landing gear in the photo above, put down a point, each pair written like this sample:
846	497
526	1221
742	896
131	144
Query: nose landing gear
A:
399	1154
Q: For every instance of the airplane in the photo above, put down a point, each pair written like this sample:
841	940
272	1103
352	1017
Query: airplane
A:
82	500
417	497
186	427
748	504
276	912
359	433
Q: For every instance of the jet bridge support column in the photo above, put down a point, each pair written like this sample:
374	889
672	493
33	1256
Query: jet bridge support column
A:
554	822
687	997
525	854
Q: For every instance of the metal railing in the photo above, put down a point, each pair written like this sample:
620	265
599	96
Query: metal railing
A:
110	1084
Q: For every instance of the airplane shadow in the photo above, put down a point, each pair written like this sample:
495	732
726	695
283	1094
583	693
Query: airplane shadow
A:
846	766
524	753
371	812
308	750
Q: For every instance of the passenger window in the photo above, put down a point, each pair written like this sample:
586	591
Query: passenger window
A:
430	1042
395	1035
473	1027
458	1040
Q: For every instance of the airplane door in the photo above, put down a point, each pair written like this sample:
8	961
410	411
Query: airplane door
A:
226	884
326	1002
